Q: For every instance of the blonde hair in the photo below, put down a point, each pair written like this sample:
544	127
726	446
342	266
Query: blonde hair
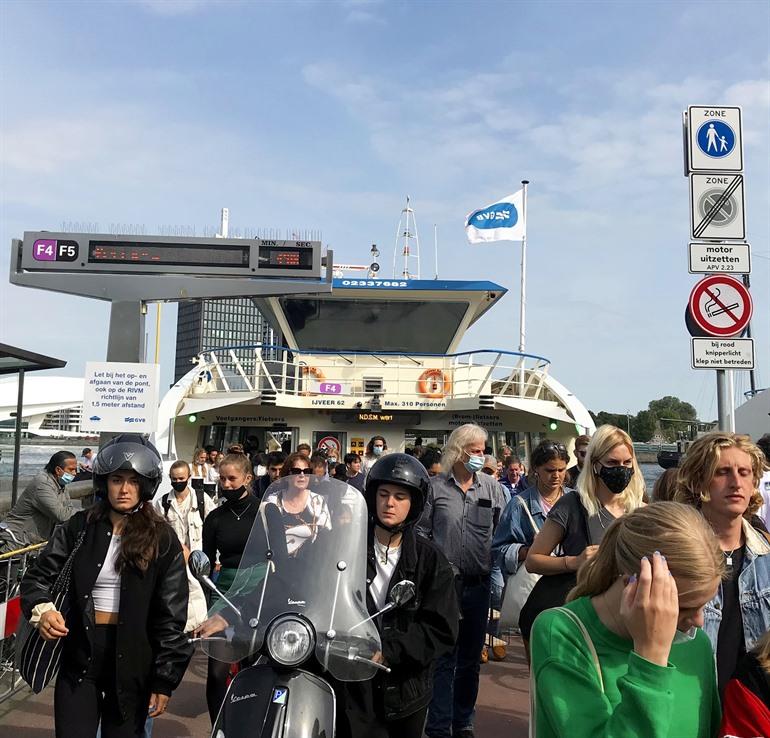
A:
237	461
700	464
680	533
460	437
601	443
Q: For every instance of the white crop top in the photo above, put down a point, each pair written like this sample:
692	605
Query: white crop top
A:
106	591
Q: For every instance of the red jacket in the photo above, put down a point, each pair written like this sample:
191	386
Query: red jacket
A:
746	708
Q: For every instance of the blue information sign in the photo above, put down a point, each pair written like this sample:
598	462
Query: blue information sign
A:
716	139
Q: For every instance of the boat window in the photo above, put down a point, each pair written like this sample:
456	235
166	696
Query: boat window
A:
413	326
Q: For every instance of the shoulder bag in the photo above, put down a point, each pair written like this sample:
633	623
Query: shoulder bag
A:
38	659
551	590
518	586
594	657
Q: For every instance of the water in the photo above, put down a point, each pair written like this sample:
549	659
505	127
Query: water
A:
32	459
650	472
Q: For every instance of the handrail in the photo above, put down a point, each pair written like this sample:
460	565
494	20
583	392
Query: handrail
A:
19	551
342	354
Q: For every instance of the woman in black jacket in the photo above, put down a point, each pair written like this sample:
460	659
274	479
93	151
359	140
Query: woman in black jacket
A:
414	635
125	650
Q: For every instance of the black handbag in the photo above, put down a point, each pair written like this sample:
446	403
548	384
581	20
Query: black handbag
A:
38	659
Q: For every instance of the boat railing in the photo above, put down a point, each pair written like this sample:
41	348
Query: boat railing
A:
13	566
272	370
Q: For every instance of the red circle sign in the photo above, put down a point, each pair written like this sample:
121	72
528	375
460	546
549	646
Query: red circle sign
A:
330	444
721	305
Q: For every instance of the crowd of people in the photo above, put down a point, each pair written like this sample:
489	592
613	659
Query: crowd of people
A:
641	614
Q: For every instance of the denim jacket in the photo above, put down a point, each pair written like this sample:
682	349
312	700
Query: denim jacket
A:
753	592
515	529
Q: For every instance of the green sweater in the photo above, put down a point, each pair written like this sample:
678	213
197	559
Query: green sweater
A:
640	700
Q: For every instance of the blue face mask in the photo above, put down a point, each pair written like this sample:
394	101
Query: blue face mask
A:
474	464
66	478
377	450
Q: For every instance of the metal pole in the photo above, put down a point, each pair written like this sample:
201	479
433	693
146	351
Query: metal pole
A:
17	438
752	375
721	399
157	333
523	300
731	399
435	246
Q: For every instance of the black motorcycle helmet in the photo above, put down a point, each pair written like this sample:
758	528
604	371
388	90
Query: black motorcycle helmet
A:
405	471
133	452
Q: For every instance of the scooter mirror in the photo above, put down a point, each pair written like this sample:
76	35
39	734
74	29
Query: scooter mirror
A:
199	564
402	592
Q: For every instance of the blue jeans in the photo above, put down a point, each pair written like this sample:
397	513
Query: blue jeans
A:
456	676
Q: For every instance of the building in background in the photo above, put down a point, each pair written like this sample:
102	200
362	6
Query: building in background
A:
53	406
211	324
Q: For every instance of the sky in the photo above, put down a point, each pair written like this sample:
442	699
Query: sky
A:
326	114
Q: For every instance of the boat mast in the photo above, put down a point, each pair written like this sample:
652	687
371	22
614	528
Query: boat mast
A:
409	250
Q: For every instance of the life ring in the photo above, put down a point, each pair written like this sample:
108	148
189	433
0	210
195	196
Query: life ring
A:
316	373
434	383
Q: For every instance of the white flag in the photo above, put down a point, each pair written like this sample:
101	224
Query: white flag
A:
501	221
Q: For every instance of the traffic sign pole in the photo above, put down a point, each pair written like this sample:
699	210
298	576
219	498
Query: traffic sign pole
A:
719	306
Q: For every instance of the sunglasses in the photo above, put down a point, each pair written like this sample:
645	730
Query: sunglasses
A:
297	470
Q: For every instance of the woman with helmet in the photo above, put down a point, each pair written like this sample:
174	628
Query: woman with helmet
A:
125	650
415	634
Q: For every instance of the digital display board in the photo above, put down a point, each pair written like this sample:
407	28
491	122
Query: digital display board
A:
291	258
118	252
123	254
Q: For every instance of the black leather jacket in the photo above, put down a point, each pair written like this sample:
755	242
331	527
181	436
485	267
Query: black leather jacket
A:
152	649
413	637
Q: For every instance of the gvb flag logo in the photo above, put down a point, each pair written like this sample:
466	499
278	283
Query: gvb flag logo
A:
501	221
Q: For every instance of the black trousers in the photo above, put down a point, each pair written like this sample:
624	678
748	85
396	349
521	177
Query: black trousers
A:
82	701
216	686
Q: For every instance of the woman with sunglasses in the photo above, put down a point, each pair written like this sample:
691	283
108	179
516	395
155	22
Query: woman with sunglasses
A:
225	533
304	512
609	486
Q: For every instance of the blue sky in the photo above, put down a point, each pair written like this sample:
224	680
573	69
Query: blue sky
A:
327	114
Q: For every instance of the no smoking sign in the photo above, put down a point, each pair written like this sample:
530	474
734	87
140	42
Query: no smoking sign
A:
721	306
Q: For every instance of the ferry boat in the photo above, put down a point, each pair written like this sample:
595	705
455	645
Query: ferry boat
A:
374	357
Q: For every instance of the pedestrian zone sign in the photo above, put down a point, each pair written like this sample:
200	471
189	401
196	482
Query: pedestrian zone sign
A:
721	306
720	353
716	207
715	140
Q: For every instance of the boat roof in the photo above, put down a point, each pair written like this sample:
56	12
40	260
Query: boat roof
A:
373	315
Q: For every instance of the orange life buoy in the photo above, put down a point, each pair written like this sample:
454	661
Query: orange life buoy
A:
315	372
434	383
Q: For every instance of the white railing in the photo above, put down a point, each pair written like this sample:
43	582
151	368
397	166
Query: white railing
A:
276	370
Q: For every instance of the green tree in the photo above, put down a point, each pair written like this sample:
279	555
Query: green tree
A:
669	410
643	426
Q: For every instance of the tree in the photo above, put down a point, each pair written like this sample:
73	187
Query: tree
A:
643	426
669	410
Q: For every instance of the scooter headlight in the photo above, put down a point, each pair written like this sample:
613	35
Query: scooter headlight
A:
290	641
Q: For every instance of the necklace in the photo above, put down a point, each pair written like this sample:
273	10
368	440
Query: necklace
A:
245	510
603	509
729	556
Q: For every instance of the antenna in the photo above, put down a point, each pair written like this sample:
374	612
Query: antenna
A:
435	246
407	231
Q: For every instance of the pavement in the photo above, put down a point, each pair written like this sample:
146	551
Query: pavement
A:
501	709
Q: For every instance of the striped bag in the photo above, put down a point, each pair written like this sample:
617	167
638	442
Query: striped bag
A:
38	659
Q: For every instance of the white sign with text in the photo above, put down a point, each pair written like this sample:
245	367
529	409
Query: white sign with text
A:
720	353
121	397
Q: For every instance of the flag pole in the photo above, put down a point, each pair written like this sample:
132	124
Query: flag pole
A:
523	305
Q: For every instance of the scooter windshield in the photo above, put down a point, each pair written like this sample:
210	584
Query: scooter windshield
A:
305	560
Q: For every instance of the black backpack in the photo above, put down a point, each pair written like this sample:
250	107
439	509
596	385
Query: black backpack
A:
199	495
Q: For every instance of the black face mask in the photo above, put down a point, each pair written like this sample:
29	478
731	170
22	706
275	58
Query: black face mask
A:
617	478
179	486
231	495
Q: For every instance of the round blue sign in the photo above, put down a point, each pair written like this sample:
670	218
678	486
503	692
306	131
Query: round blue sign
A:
716	139
499	215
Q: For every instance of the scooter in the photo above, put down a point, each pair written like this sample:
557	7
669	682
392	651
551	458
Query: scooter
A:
296	615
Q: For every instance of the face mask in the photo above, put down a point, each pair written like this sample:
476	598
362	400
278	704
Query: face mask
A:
617	478
377	450
684	636
474	463
66	478
231	495
179	486
332	460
